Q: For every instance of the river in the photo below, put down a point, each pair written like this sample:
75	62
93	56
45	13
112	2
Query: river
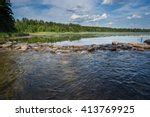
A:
99	75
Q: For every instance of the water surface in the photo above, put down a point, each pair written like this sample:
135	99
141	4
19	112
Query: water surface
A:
99	75
105	40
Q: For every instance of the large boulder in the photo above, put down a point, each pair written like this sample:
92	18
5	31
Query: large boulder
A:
147	41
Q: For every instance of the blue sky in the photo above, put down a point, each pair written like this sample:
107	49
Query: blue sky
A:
110	13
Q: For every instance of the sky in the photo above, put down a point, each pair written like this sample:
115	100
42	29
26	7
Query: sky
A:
105	13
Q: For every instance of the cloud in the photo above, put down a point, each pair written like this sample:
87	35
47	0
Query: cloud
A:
106	2
88	18
134	16
85	12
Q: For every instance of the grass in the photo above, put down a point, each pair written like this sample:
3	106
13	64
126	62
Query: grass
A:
87	33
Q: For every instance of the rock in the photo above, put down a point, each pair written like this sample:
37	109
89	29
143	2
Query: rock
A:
77	48
35	47
146	46
114	43
17	47
136	45
96	46
24	47
113	49
91	49
140	49
53	51
7	45
147	41
63	51
125	47
84	52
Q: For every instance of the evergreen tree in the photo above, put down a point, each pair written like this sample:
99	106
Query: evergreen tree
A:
6	16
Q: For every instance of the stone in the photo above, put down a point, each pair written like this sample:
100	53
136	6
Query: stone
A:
147	41
7	45
125	47
146	46
23	47
52	51
84	52
113	49
63	51
114	43
140	49
96	46
136	45
17	47
91	49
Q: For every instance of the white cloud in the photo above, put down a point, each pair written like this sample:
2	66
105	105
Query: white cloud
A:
107	1
84	12
134	16
88	18
75	16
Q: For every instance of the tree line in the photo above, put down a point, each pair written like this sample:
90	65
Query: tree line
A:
29	25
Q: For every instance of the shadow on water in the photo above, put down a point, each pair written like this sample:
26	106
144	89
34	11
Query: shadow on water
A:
99	75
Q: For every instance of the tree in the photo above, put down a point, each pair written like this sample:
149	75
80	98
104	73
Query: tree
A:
7	20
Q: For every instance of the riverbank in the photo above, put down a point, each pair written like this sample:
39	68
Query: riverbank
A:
52	48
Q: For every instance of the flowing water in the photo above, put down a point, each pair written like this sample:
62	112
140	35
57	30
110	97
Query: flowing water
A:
98	75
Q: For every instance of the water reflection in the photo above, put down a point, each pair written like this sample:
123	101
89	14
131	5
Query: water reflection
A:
105	40
86	39
100	75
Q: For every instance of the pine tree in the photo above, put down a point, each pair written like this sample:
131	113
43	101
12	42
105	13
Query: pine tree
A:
6	17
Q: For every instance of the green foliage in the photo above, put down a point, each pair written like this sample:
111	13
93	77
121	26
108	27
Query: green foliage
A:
6	17
32	26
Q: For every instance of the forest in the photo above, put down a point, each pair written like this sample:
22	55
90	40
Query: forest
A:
31	26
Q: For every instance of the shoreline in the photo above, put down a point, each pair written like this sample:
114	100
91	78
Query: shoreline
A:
55	49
